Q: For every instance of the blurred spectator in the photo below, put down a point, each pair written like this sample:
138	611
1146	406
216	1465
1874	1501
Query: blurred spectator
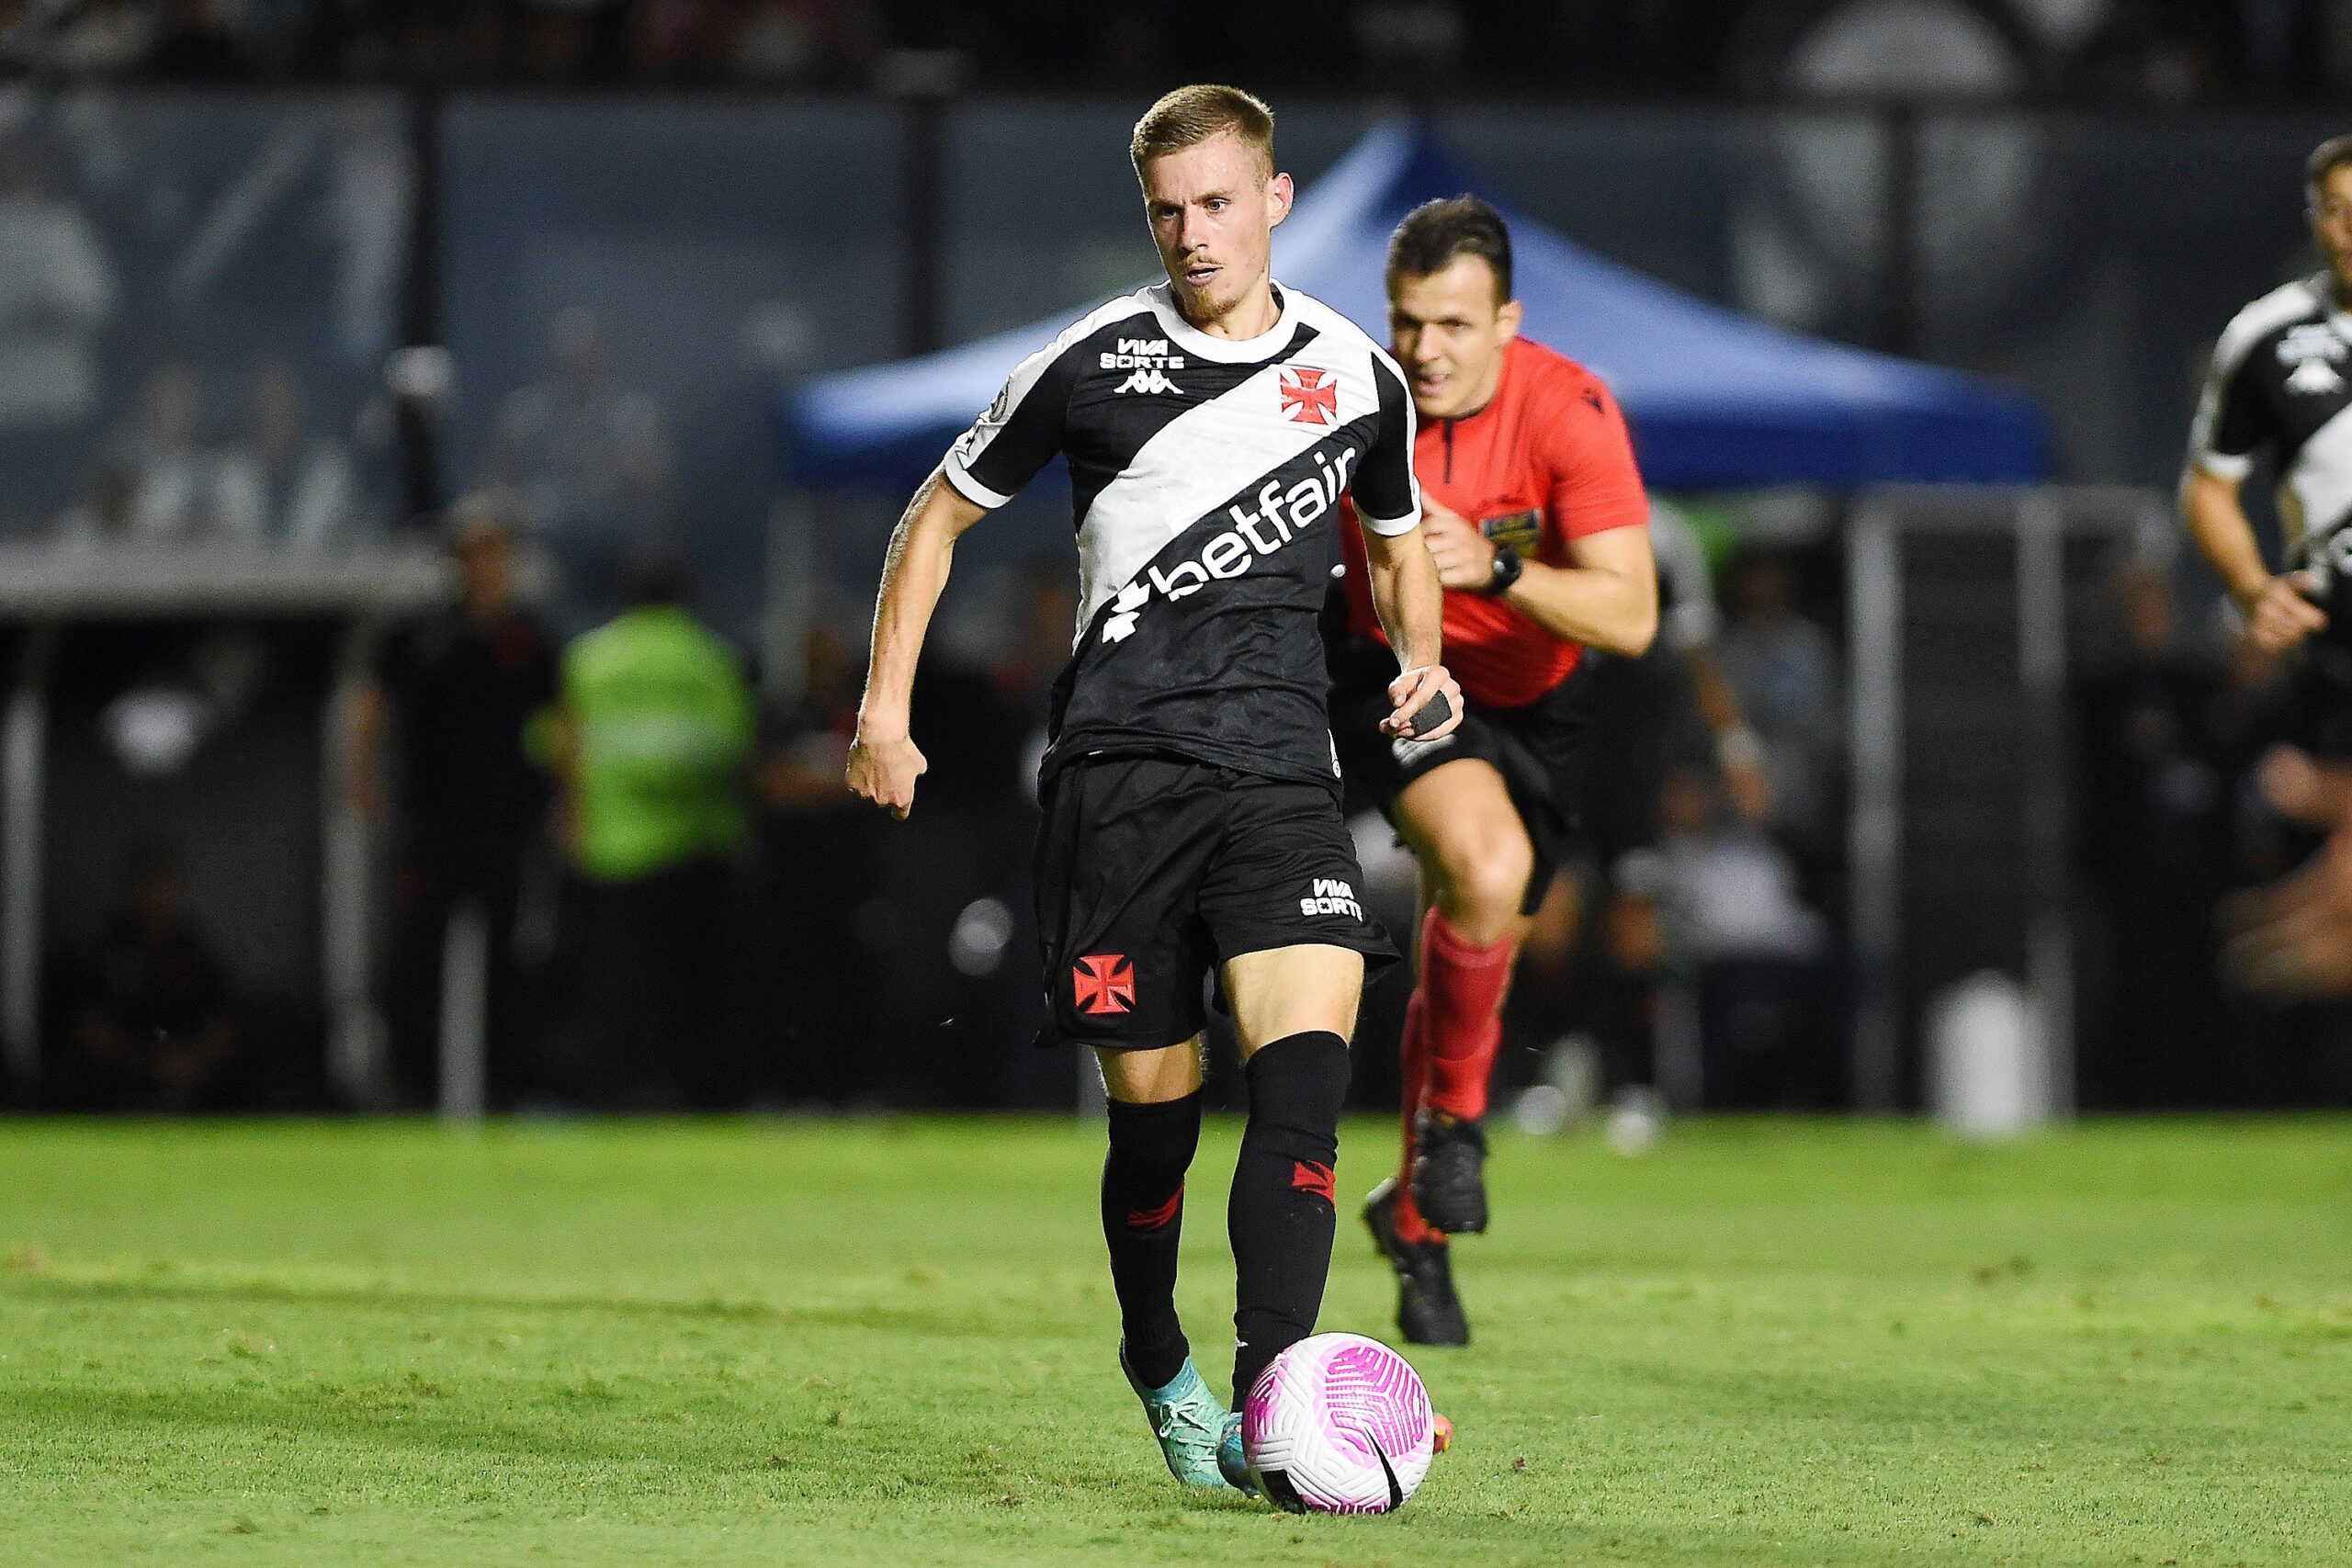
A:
1783	668
452	700
2162	751
778	41
803	769
1690	624
591	460
154	1025
196	43
104	516
176	481
103	38
655	745
1033	658
1756	954
809	976
281	486
57	296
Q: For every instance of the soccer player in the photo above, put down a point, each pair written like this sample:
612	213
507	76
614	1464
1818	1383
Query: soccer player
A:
1189	790
1535	515
2280	387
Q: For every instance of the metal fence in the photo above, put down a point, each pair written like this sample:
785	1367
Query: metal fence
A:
1970	615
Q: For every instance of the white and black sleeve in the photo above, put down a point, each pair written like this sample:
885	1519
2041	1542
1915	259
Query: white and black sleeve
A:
1387	498
1020	431
2232	419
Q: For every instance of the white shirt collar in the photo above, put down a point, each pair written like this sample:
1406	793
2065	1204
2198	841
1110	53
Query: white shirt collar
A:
1230	350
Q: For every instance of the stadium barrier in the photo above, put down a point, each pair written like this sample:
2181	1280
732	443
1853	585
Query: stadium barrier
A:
1968	612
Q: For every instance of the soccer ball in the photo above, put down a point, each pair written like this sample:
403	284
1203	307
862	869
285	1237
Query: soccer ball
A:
1338	1424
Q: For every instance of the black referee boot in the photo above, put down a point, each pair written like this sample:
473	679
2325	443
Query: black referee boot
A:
1427	1310
1450	1173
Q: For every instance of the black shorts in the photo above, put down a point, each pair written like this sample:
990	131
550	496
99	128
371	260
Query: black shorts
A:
2319	705
1153	871
1539	749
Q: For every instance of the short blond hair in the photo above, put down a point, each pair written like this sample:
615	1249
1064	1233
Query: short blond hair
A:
1190	116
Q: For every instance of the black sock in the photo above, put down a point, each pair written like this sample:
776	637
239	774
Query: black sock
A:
1143	1217
1281	1211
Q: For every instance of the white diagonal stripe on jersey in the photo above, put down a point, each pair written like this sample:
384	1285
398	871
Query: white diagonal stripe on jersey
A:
1200	460
2320	480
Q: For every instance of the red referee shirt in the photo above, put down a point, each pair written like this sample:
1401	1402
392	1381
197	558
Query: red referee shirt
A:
1547	460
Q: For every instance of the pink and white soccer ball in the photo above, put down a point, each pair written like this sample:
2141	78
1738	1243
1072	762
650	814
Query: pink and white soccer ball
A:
1338	1424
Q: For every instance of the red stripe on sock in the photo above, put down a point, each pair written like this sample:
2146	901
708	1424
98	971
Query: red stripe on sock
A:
1156	1219
1306	1176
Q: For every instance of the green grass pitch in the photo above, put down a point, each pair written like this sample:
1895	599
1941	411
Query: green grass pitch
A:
891	1343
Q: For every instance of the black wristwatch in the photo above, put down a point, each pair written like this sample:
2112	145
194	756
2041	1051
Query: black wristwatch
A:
1508	566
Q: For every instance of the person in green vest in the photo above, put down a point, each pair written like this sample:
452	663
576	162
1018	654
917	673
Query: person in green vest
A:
652	735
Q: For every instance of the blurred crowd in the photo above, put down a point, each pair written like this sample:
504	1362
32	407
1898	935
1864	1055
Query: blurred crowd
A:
1696	950
2168	49
620	855
2176	722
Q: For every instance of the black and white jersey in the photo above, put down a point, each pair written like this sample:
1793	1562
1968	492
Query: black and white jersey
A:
2281	388
1205	475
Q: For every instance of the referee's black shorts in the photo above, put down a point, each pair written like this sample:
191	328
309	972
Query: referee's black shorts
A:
1152	871
1539	749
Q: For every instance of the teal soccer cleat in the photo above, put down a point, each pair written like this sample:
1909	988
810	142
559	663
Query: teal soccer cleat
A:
1190	1424
1229	1460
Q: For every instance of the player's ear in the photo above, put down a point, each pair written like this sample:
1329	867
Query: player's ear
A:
1277	197
1507	319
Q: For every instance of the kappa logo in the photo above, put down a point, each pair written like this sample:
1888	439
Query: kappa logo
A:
1103	983
2314	376
1153	380
1310	396
1149	359
1330	895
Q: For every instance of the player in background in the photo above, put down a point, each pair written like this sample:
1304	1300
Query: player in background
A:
2280	385
1536	517
1189	788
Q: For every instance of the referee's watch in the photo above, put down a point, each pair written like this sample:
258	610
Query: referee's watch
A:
1508	566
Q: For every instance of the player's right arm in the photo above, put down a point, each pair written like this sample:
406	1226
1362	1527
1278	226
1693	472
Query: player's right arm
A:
2278	613
1002	451
883	760
2231	429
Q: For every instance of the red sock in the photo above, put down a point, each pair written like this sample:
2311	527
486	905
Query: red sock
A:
1413	1058
1462	986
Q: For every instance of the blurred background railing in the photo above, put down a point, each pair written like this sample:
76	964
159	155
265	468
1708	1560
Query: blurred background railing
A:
261	324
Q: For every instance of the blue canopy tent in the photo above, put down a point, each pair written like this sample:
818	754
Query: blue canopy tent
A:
1716	399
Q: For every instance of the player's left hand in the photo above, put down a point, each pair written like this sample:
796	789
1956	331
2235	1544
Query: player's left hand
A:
1464	557
1412	692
